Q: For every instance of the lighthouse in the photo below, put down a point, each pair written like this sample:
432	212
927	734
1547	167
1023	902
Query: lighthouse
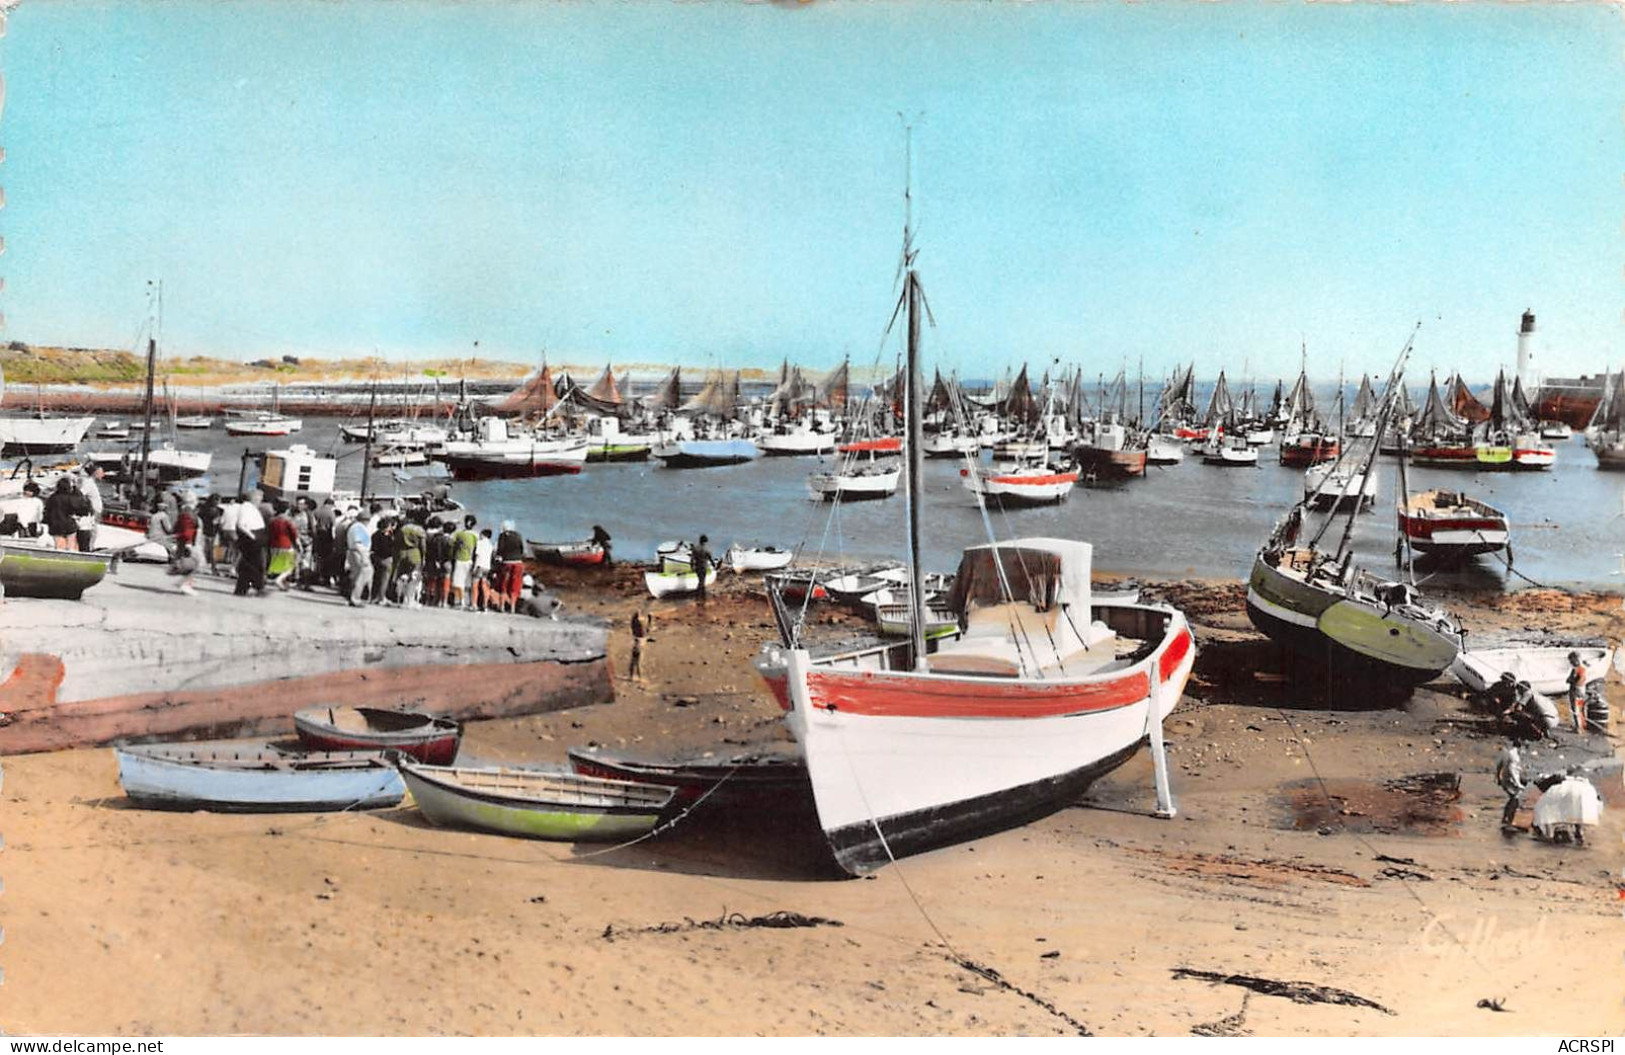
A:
1526	350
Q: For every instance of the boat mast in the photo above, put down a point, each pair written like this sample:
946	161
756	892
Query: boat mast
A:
152	366
366	454
914	445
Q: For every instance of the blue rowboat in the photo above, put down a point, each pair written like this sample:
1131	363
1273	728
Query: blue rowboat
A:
251	777
538	804
700	454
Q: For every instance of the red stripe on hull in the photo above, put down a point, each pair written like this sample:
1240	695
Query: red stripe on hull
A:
1175	654
901	696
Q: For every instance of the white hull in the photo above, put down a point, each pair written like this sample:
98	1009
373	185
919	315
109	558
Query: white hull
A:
946	445
42	435
1546	669
1164	450
263	427
662	584
1346	488
794	443
854	485
743	560
1023	486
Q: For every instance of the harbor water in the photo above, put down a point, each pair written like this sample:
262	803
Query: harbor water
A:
1188	520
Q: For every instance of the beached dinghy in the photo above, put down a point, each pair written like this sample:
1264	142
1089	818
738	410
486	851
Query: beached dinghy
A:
759	558
665	584
253	777
571	554
536	804
1545	668
423	736
727	778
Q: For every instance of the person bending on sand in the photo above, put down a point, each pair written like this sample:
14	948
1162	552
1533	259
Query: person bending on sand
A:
1577	691
601	538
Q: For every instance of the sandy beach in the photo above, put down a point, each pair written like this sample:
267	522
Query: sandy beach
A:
1311	847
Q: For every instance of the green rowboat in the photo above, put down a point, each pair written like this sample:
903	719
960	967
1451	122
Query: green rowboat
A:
32	570
535	804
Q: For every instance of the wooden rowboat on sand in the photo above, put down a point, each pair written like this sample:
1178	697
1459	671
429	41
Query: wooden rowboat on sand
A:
255	777
729	778
424	737
536	804
571	554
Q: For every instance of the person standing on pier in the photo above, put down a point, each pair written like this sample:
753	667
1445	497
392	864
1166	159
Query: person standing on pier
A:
480	574
510	554
188	528
385	542
701	556
358	558
250	548
437	565
283	536
410	545
321	537
62	512
462	562
90	486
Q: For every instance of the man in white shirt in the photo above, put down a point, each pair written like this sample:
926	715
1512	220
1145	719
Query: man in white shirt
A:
358	559
250	549
90	487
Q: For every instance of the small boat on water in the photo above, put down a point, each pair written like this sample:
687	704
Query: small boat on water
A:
495	453
536	804
571	554
255	777
1230	451
195	421
36	568
759	558
1452	525
1544	667
1335	485
670	583
705	454
1018	485
401	455
1308	448
1164	450
1555	430
261	423
113	430
851	483
728	778
426	738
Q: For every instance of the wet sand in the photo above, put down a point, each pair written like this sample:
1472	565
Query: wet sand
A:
126	921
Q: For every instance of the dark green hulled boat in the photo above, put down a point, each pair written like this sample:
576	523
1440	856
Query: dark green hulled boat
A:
1375	634
34	570
1320	606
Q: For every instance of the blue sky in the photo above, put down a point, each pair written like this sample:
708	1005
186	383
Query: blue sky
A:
721	183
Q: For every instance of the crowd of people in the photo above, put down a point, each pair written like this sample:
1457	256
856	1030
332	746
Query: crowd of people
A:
381	555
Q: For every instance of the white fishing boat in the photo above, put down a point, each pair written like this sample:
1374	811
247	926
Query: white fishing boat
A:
950	443
39	434
497	453
1162	449
1340	485
113	430
261	423
1555	430
803	437
1229	451
855	481
917	744
195	421
1014	485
